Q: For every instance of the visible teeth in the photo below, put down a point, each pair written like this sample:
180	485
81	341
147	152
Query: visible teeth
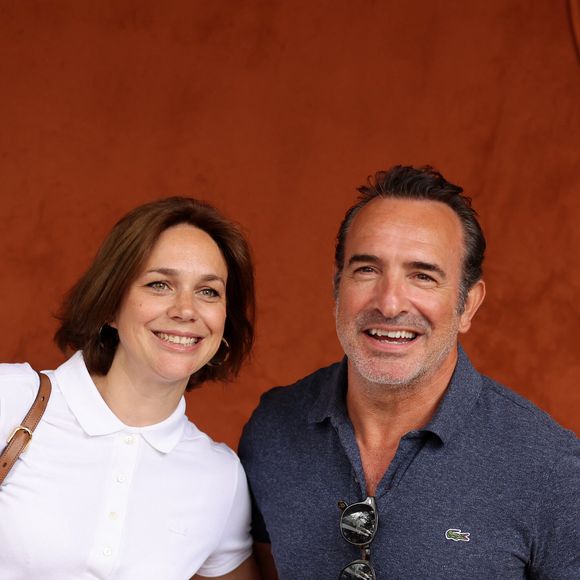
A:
392	333
185	340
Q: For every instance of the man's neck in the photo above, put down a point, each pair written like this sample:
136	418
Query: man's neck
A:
382	414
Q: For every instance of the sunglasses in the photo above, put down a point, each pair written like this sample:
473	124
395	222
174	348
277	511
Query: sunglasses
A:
358	525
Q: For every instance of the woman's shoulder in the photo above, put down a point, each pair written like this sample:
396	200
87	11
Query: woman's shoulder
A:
18	388
18	377
220	452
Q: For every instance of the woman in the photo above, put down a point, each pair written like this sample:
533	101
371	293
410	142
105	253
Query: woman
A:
117	483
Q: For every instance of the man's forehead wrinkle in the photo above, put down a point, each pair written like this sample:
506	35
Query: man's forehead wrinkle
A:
377	235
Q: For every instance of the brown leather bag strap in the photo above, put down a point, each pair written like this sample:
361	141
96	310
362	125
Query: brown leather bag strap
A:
22	435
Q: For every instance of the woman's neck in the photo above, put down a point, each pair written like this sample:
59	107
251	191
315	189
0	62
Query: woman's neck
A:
136	401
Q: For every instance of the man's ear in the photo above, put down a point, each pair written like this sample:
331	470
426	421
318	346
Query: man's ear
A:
473	301
335	283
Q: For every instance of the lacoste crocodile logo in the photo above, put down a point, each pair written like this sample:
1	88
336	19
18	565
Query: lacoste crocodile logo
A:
457	535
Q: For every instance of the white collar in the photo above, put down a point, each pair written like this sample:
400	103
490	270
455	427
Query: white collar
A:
96	418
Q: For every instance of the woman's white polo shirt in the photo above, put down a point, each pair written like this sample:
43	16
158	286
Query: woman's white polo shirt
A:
94	498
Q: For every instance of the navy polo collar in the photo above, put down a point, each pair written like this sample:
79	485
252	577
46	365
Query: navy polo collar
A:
460	397
462	393
331	401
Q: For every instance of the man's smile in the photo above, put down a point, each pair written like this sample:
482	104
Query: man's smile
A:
391	336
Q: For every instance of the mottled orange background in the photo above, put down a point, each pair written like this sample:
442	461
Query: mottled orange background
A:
275	111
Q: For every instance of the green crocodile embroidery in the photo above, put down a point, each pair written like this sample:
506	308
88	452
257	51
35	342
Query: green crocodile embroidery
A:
457	535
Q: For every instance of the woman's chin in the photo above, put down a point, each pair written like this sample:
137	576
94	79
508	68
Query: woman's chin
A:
178	372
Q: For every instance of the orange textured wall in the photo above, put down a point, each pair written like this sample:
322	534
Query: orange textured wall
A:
275	112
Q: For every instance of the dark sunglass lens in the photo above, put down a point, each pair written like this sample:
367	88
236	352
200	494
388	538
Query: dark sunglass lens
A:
358	571
358	524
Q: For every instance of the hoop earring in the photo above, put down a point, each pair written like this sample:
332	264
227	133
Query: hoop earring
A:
107	336
101	343
218	362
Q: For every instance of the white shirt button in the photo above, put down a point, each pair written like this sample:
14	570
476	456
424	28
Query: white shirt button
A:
130	439
107	551
121	478
113	515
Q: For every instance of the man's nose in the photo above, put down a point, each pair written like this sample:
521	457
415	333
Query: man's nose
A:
392	296
183	306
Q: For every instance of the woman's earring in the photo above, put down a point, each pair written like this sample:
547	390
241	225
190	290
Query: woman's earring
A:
101	343
107	336
215	361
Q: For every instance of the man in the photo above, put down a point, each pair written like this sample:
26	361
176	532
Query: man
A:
451	474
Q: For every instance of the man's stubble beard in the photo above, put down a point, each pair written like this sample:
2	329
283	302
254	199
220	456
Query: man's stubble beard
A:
375	371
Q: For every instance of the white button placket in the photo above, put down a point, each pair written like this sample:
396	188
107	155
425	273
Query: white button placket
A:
111	523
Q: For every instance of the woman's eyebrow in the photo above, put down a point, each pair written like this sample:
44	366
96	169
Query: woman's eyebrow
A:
174	272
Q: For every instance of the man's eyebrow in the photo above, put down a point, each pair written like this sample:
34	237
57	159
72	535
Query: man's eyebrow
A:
428	267
416	264
356	258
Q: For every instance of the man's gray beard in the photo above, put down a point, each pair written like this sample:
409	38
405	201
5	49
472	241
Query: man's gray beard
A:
368	370
366	366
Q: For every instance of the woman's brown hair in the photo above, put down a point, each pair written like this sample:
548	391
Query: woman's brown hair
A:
95	299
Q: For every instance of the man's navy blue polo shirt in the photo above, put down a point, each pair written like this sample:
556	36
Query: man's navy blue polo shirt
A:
489	489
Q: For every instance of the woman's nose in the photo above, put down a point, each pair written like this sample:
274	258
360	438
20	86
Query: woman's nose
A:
183	307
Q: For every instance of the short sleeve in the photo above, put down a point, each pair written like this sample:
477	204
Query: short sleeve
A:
235	545
18	388
557	553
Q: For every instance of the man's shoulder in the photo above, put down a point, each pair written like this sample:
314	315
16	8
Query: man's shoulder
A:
286	409
301	394
282	437
303	391
517	419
